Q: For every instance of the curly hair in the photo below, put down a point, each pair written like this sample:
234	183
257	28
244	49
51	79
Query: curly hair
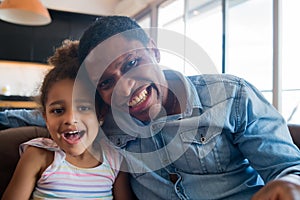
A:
65	65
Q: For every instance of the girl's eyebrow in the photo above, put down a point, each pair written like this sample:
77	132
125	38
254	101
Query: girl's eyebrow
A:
56	102
79	100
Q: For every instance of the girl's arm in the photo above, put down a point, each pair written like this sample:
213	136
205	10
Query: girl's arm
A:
29	168
121	187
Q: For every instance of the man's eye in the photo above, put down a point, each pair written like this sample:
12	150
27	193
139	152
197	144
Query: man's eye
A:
106	84
130	64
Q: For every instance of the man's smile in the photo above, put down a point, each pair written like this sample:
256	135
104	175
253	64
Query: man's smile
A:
139	98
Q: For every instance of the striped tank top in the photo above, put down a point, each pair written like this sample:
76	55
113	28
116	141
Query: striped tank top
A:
64	180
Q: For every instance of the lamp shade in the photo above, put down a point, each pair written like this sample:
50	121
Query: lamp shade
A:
24	12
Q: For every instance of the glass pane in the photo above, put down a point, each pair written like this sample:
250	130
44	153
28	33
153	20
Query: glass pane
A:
291	106
169	14
204	26
250	42
145	22
170	17
290	59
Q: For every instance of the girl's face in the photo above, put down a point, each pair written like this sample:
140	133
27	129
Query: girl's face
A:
70	116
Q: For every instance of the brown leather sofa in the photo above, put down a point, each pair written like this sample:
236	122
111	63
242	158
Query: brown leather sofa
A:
9	154
9	149
295	133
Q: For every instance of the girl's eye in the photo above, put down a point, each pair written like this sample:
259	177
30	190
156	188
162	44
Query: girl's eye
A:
57	111
84	108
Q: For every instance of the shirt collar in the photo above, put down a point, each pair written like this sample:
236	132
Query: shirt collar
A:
193	101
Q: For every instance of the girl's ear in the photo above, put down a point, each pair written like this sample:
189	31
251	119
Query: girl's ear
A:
45	118
152	47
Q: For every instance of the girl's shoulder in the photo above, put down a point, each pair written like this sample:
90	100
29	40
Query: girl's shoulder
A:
43	143
40	151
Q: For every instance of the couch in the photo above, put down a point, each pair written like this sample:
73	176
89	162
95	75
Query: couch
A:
9	153
295	133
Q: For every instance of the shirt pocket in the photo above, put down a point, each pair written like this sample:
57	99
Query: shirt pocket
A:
206	151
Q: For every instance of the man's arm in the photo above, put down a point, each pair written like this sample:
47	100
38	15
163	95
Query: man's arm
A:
285	188
21	117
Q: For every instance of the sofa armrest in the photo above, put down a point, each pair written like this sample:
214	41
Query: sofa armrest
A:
295	133
10	140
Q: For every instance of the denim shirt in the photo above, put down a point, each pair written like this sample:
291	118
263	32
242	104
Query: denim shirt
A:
227	144
21	117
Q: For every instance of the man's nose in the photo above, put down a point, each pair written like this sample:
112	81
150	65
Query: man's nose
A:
124	86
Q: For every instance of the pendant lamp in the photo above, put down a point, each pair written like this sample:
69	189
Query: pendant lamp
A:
24	12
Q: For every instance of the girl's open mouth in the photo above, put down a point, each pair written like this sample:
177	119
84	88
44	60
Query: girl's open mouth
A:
73	137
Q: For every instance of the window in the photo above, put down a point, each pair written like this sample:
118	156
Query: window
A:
201	47
145	21
171	25
248	39
250	43
204	26
290	60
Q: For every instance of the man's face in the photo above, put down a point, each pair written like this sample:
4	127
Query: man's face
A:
128	77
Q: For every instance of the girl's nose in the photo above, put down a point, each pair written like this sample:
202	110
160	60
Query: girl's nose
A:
70	118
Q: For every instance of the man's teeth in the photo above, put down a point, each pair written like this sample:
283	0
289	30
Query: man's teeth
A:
138	99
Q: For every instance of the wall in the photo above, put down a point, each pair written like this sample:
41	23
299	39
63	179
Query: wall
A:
21	78
37	43
34	44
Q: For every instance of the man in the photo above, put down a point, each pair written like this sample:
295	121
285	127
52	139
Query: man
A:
202	137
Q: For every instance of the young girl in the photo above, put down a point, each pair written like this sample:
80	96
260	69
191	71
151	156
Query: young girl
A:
75	163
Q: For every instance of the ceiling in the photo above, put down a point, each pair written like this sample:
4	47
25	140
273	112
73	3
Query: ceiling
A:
99	7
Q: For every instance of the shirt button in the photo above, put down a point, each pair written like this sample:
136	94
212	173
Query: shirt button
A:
203	139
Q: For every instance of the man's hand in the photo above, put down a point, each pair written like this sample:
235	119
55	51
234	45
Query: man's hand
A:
278	190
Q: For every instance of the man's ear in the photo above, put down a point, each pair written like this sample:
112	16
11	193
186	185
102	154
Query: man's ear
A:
152	47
